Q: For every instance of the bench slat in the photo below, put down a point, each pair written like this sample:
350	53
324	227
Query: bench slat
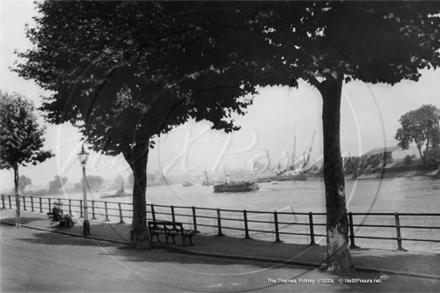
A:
169	229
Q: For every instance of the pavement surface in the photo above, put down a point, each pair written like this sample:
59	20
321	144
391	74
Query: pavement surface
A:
407	271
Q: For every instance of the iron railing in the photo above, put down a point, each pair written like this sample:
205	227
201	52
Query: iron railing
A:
277	226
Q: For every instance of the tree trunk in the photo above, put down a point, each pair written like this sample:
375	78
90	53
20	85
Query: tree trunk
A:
17	198
137	158
338	253
419	148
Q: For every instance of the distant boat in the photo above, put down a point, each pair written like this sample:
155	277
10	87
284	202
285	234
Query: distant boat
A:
263	180
120	193
206	182
291	176
115	195
295	174
186	184
235	186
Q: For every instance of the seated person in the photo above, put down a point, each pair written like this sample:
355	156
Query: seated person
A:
59	215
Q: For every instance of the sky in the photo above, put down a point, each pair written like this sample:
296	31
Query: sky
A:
279	119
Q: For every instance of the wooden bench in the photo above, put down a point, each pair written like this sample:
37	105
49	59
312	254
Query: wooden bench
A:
169	230
61	222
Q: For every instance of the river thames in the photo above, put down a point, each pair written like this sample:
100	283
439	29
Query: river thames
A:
402	195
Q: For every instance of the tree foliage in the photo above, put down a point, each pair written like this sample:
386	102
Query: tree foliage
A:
23	181
407	160
421	127
57	184
21	137
433	157
118	182
160	62
95	182
78	186
375	42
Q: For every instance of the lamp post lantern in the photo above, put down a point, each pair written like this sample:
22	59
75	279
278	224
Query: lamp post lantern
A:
83	156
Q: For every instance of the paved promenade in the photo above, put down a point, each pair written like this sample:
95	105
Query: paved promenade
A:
420	265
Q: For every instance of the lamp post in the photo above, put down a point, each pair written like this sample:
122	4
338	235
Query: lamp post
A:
83	156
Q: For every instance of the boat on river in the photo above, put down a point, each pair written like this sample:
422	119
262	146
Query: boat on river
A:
115	195
295	172
207	182
186	184
235	186
120	193
290	176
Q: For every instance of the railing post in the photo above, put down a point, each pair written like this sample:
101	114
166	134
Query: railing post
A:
277	232
41	205
399	236
93	210
120	214
80	208
10	205
173	217
246	228
195	220
50	205
219	224
32	204
3	201
70	206
24	203
312	231
153	213
106	212
350	222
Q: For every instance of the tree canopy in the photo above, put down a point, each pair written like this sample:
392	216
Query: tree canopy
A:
118	182
94	182
56	185
22	138
23	181
123	72
375	42
421	127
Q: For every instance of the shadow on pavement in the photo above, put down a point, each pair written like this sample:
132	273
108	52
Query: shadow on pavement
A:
60	239
25	220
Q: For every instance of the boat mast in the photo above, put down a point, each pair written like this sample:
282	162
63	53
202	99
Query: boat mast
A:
306	161
292	167
206	175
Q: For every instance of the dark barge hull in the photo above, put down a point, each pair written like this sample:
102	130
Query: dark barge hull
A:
236	187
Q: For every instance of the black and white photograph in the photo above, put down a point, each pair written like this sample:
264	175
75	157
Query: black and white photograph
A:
219	146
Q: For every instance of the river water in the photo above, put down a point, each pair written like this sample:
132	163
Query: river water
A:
402	195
